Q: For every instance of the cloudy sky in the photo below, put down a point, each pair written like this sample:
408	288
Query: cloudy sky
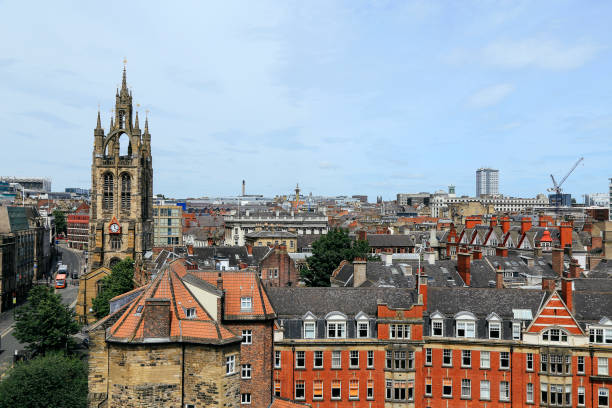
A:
346	97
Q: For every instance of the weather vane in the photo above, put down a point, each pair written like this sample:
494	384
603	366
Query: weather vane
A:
124	62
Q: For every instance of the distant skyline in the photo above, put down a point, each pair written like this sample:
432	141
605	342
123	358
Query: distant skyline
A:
344	97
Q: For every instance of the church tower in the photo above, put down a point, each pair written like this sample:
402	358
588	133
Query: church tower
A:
121	218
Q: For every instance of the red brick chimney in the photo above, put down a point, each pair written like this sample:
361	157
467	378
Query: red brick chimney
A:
557	261
362	235
542	222
566	292
463	266
249	249
156	319
493	221
190	250
499	278
476	254
505	224
574	269
548	284
423	288
565	234
525	224
501	251
471	222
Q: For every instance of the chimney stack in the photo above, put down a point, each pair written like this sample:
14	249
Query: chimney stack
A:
463	266
476	254
156	320
423	287
566	292
574	269
525	224
219	281
557	261
501	251
565	235
499	278
359	272
537	251
243	188
505	224
387	258
493	221
548	284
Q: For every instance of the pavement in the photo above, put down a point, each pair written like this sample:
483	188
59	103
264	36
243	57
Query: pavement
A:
8	344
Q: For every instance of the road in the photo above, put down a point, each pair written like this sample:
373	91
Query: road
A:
9	344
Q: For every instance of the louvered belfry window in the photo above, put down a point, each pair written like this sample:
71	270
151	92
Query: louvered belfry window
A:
108	188
126	195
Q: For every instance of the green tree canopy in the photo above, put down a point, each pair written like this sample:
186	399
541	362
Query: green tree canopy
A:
327	253
44	322
60	221
49	381
120	280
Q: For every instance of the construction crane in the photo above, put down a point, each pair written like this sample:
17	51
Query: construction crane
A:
557	187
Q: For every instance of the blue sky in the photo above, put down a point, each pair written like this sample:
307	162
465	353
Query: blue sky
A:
343	97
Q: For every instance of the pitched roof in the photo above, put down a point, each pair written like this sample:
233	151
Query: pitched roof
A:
482	301
296	301
387	240
203	328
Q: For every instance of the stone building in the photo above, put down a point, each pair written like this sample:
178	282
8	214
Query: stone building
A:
190	338
121	223
121	212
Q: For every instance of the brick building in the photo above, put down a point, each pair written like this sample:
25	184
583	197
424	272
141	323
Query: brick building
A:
77	226
277	268
444	346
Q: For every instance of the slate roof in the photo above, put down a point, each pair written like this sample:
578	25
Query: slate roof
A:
306	240
379	275
590	307
205	256
295	302
439	273
482	301
387	240
593	285
602	270
271	234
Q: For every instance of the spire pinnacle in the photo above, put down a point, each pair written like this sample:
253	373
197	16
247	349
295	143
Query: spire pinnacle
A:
136	123
146	129
98	125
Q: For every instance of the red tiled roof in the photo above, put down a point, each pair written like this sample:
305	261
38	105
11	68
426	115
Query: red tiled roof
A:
168	285
284	403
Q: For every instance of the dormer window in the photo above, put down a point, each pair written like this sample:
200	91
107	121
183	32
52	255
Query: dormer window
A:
601	334
246	304
363	325
466	325
554	335
336	325
190	313
437	324
495	329
309	330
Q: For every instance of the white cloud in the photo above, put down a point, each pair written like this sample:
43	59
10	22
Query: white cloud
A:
543	54
490	95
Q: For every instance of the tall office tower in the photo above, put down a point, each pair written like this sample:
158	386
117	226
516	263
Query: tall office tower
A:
487	182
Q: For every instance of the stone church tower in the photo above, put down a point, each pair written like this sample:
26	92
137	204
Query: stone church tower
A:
121	218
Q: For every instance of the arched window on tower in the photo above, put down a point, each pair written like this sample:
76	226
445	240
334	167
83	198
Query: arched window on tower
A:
126	195
108	189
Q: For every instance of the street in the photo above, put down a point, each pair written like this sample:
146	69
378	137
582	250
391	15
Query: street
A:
9	344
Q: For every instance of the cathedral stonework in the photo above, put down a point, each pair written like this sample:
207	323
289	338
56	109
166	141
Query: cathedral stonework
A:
121	218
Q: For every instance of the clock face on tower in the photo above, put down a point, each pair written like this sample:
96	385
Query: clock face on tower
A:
114	228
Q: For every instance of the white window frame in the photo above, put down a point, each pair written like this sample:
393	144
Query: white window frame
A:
335	322
504	391
444	352
301	353
492	326
466	383
313	331
245	398
331	394
428	356
230	364
245	371
485	390
529	362
465	353
434	323
318	398
529	392
336	359
581	392
314	359
277	359
501	353
487	359
352	354
603	392
246	304
367	329
603	366
370	359
466	323
580	362
516	331
303	388
190	313
247	336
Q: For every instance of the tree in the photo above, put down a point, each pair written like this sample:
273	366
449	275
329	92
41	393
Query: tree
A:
120	280
60	221
44	322
53	380
327	253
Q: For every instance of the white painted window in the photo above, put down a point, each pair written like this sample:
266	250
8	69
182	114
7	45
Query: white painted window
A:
247	336
466	388
485	390
602	366
246	304
230	364
309	330
246	371
485	359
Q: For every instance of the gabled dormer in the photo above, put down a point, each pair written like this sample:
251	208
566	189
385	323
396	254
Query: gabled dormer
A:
554	324
309	323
